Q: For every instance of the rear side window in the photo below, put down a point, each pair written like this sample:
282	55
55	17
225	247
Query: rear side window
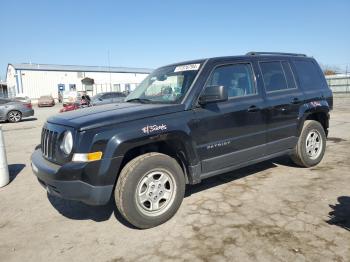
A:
308	75
237	79
273	75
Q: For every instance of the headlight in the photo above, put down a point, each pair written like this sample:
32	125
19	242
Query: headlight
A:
67	143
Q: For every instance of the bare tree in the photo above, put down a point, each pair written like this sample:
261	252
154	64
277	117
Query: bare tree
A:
330	70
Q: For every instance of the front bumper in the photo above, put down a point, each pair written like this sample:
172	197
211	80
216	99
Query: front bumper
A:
54	178
46	104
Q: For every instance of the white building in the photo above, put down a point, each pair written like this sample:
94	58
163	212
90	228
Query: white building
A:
3	89
35	80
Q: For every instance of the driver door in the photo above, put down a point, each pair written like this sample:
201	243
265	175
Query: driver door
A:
233	132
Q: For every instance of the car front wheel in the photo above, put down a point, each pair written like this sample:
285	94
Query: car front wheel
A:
14	116
150	190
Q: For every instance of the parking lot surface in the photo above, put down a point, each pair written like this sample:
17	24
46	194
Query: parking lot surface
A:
272	211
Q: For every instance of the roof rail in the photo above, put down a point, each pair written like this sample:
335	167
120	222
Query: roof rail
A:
274	53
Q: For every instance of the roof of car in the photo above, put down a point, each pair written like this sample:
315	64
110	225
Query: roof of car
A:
269	55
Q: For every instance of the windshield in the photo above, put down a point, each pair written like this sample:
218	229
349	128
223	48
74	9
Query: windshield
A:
165	85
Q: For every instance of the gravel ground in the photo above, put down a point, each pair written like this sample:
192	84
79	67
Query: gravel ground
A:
272	211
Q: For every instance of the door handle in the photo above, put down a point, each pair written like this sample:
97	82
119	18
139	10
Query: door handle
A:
253	109
295	101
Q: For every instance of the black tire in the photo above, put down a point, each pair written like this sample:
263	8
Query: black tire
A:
14	116
301	155
131	181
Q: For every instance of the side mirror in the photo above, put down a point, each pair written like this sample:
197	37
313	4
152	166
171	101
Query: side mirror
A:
213	94
100	99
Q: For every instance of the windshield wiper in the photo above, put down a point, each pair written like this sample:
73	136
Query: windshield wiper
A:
141	100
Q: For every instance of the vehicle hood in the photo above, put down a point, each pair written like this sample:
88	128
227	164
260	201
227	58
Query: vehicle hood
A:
103	115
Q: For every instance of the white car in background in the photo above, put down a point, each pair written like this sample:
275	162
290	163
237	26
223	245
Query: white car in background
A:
70	97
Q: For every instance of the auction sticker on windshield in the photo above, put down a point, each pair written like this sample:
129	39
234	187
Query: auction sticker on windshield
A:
190	67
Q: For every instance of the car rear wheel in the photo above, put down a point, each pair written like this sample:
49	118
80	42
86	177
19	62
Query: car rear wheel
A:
14	116
150	189
311	145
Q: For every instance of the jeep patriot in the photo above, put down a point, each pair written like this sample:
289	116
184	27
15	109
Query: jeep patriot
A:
186	122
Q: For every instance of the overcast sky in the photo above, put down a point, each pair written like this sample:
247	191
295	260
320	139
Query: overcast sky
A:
153	33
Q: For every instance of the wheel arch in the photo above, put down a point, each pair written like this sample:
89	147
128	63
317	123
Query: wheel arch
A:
321	115
177	145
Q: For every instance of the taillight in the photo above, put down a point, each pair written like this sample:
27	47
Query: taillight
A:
28	105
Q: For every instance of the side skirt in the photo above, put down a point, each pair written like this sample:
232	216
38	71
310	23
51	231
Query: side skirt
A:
248	163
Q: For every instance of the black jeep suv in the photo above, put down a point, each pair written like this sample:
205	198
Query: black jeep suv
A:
183	123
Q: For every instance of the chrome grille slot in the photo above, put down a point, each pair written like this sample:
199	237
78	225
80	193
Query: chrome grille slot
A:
53	144
48	143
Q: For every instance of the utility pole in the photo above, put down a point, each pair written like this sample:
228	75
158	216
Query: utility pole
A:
347	79
4	170
110	74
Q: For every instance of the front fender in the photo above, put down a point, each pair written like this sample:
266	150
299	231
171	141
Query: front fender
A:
116	141
121	143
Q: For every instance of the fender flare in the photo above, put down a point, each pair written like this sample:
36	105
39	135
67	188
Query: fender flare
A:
310	108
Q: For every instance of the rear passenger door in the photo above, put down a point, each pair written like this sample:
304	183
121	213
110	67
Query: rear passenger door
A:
284	99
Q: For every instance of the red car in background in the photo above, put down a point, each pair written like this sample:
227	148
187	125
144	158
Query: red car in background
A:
70	107
83	102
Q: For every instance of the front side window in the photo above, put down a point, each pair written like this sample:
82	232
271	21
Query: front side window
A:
165	85
237	79
273	75
107	96
112	95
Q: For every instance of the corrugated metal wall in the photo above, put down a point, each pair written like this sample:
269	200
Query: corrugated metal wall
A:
339	83
37	83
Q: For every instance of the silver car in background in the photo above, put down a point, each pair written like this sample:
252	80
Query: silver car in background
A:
24	99
107	98
13	111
